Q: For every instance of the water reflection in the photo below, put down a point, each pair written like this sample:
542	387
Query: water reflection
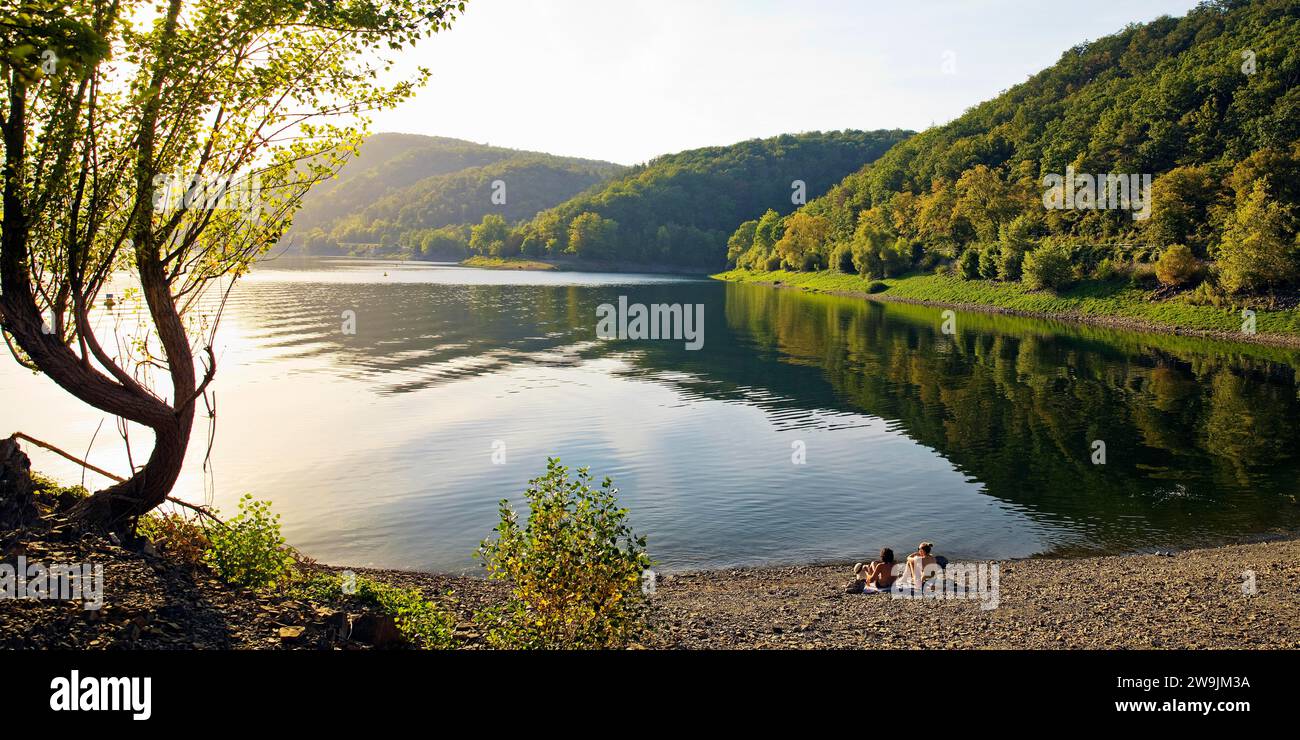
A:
377	445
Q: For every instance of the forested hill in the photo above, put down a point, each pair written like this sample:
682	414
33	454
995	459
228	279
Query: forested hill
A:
412	194
1207	105
678	209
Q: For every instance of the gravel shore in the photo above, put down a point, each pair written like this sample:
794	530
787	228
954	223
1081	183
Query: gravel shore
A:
1192	599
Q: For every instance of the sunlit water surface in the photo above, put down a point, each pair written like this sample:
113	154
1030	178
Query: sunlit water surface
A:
378	447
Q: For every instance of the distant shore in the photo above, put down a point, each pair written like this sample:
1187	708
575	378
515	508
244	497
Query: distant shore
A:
1109	306
571	265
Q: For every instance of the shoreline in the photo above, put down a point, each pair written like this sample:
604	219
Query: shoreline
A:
1189	599
1126	323
575	265
1193	599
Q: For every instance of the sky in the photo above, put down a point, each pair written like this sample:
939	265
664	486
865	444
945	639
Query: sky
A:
628	80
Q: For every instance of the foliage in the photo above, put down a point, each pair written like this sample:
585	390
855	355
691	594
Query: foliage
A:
402	190
249	550
968	264
1257	251
575	567
175	535
1086	298
489	237
1177	265
1169	99
423	623
680	209
171	144
1048	267
593	237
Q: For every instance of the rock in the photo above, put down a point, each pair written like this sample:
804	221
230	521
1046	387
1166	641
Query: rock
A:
16	505
377	629
291	634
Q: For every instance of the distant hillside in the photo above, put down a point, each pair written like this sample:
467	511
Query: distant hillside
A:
1207	105
406	192
678	209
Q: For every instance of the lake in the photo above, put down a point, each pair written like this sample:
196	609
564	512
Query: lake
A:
805	428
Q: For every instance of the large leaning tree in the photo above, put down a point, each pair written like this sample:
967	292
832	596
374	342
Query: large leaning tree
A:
169	142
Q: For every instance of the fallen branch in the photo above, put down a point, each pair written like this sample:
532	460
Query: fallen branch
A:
200	510
57	451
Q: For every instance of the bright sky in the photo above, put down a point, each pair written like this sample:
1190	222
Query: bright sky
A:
627	80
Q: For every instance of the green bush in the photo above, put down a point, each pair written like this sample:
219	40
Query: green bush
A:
968	265
1010	261
990	261
875	286
249	549
842	259
575	568
1048	267
420	621
1177	266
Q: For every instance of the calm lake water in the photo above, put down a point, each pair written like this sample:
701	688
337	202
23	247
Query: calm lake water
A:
377	447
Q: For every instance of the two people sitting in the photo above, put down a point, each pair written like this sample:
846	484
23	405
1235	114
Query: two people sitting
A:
881	575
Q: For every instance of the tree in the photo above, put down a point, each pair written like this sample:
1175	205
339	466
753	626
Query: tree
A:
489	236
1177	265
1180	201
175	145
1048	267
802	245
1256	252
741	240
593	237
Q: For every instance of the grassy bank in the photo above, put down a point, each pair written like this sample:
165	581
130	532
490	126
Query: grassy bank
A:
508	263
572	265
1110	303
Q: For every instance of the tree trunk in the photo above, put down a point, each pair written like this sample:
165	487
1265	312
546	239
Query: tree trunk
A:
123	502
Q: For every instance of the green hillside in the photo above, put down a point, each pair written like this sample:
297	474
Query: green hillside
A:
419	195
1206	106
678	209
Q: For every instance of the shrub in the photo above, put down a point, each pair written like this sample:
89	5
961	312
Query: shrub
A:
1209	294
575	568
1010	260
842	260
875	286
990	259
249	549
420	621
173	534
1177	266
1048	267
968	265
773	263
1259	249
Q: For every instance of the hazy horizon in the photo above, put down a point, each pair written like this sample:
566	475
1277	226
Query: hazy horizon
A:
645	80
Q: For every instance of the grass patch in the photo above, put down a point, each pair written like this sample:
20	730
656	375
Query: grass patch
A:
1092	298
507	263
